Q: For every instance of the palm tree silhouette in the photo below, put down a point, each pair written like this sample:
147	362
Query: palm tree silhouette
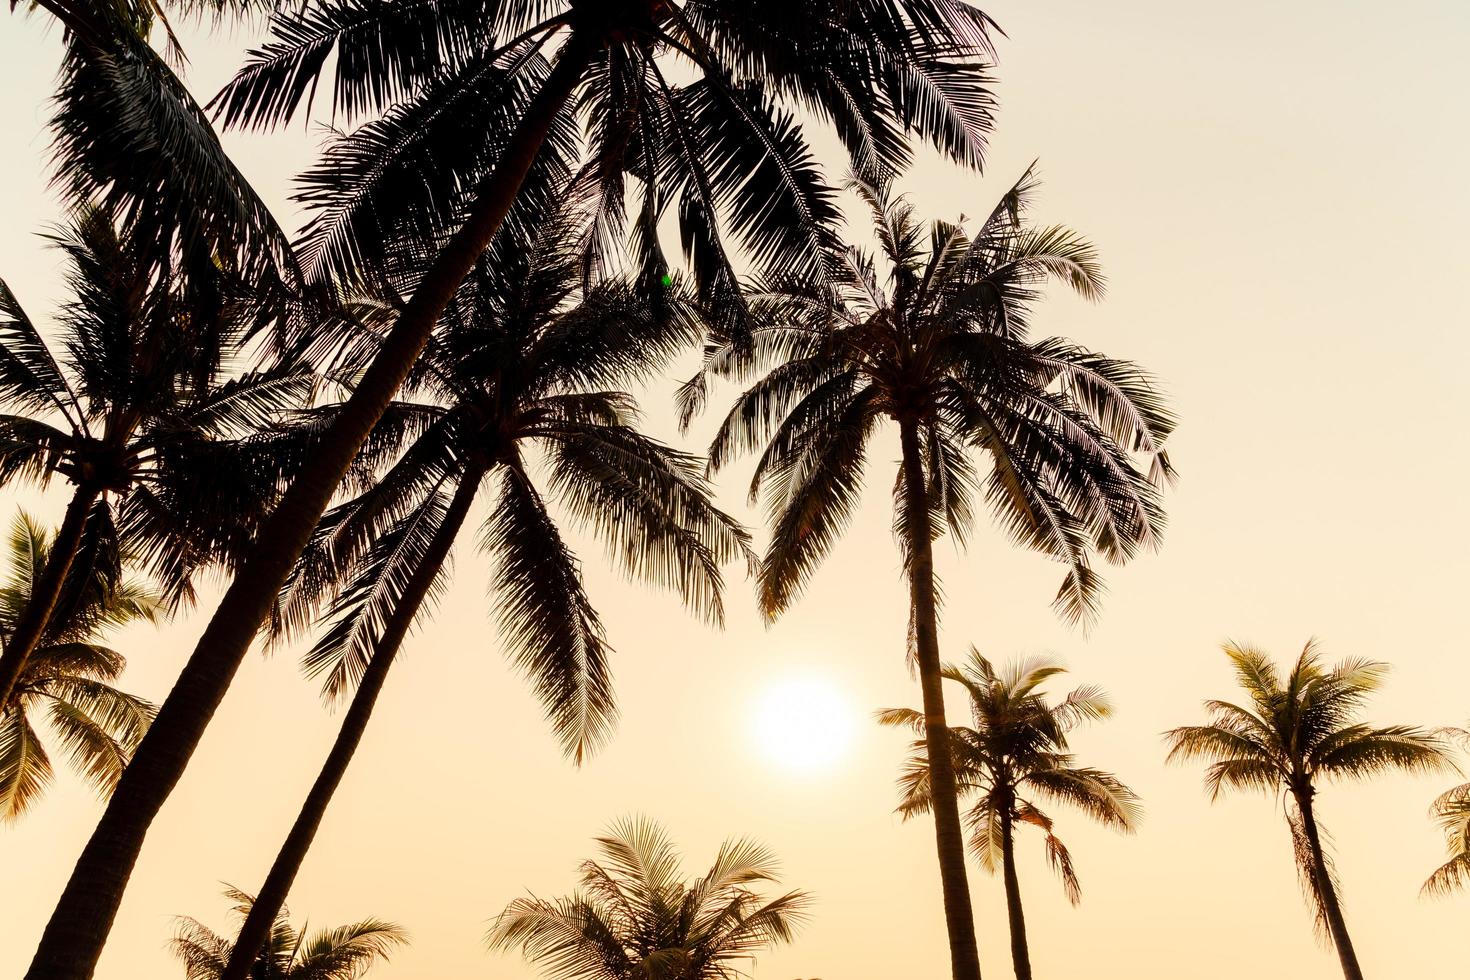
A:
138	411
523	368
68	678
1295	732
937	343
1015	754
344	953
637	918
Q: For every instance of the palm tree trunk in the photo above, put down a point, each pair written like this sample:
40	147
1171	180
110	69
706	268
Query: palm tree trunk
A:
78	929
45	592
964	955
1020	952
1331	909
272	896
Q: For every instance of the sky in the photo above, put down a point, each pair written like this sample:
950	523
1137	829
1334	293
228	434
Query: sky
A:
1277	192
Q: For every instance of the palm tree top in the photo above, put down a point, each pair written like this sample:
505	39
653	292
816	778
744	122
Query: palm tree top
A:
937	337
340	953
1015	757
1301	726
636	917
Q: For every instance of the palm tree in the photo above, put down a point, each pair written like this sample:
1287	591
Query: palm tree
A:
636	918
521	370
139	415
343	953
470	107
1296	732
1016	753
1452	812
939	346
69	676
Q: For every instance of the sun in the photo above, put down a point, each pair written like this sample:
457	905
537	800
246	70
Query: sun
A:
804	724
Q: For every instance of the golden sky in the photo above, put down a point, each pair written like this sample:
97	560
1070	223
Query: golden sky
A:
1278	193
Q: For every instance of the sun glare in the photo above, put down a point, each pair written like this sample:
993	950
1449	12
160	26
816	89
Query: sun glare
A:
804	724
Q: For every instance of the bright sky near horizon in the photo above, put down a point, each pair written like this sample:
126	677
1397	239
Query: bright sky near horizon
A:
1277	191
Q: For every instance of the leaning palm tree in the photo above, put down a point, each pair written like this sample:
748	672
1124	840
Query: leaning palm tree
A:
66	687
344	953
521	370
1296	732
637	918
937	343
1015	755
140	412
476	103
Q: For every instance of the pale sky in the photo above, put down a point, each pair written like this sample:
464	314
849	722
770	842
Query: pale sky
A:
1277	191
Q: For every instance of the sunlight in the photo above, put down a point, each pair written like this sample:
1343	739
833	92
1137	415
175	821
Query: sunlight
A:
804	724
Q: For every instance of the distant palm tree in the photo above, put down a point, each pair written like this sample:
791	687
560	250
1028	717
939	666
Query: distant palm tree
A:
637	918
67	679
1295	732
522	370
1017	753
140	411
1452	812
477	106
343	953
937	343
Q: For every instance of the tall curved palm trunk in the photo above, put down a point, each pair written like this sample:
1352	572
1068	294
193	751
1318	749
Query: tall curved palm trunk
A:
256	928
79	926
1020	950
949	834
1326	889
47	592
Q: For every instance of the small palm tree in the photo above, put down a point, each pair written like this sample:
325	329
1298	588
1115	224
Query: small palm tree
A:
936	343
140	412
343	953
522	370
69	676
637	918
1452	812
1296	732
1015	755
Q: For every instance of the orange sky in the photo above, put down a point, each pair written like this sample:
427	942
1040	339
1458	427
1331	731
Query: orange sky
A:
1278	194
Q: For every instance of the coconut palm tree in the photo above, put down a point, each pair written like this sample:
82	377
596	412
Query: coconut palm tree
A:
637	918
1296	732
1452	812
937	342
472	101
1015	755
68	680
344	953
140	413
521	370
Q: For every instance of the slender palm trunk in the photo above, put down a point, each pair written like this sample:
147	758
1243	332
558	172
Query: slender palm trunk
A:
78	929
46	592
272	895
964	955
1020	951
1331	909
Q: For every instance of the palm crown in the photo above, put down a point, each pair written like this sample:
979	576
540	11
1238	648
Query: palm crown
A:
68	679
520	374
684	104
939	341
1452	812
343	953
1015	755
637	918
142	410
